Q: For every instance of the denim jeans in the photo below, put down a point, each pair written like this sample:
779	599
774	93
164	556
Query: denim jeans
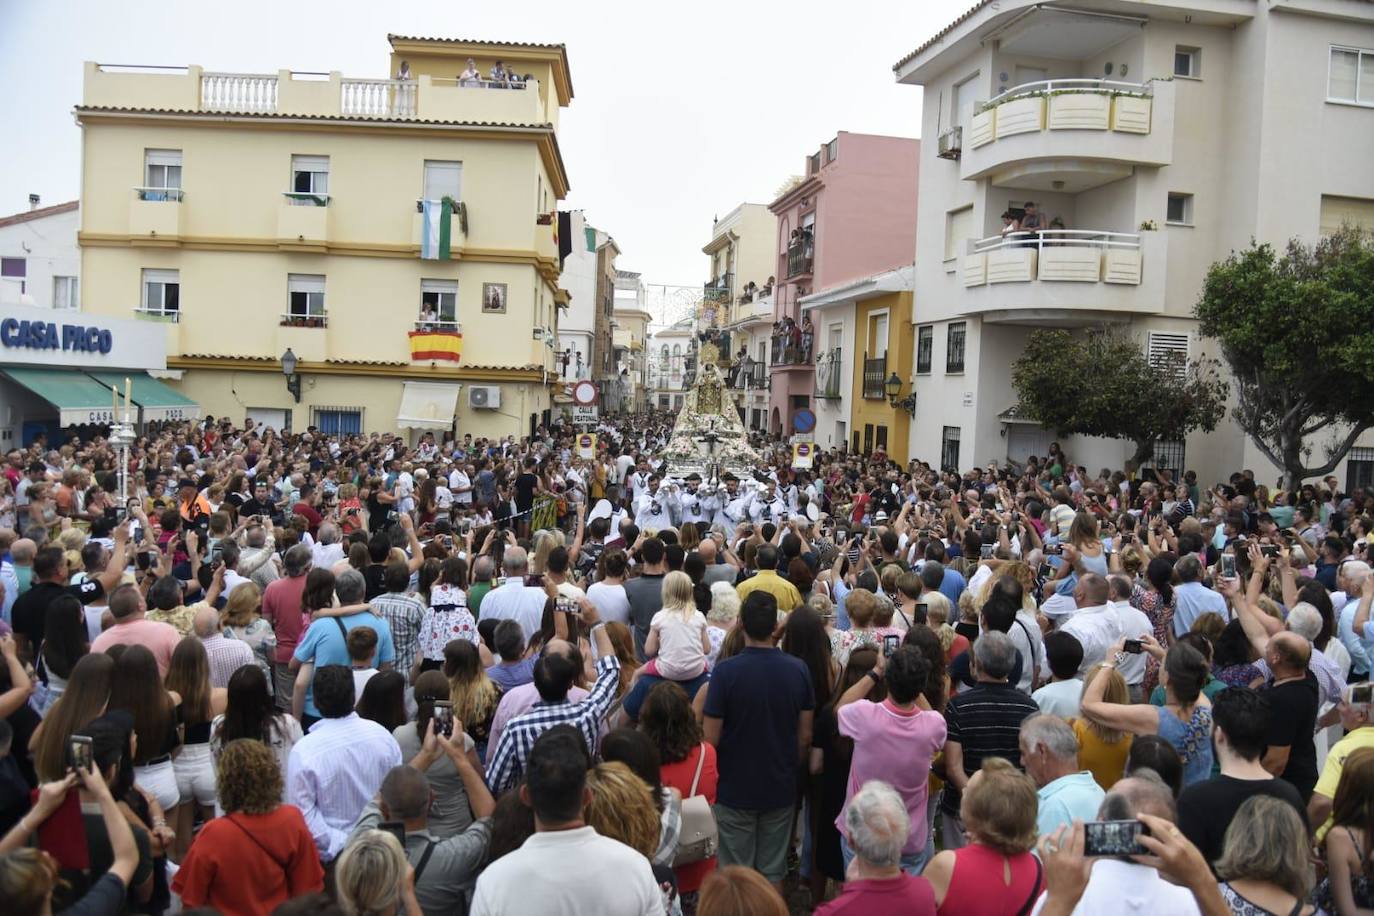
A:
913	863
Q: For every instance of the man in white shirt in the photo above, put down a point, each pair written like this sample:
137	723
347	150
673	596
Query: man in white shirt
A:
1061	696
654	506
566	867
1094	625
1131	622
514	600
732	504
767	505
697	504
327	549
334	771
460	485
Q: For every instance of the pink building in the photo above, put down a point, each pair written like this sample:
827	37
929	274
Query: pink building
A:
853	215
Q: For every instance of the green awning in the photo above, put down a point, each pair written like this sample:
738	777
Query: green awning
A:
157	401
79	399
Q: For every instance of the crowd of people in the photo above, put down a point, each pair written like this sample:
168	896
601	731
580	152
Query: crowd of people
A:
310	674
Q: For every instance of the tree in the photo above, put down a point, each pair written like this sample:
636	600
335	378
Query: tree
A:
1103	384
1297	333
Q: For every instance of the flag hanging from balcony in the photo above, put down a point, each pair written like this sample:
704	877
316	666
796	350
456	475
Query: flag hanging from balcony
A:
435	231
436	345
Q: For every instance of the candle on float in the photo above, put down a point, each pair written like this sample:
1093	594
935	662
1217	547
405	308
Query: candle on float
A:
114	405
128	383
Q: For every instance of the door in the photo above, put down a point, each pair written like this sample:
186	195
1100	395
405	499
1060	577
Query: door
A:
1029	75
868	439
877	344
1025	440
274	417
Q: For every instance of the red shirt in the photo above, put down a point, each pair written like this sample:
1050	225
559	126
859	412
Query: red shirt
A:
903	894
679	776
249	864
311	516
281	607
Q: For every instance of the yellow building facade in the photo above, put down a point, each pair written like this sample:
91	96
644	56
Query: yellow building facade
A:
397	236
884	347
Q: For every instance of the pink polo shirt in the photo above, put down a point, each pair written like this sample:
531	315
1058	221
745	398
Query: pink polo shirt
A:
159	638
281	607
896	747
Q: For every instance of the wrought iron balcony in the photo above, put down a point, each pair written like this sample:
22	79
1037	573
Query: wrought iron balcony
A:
875	377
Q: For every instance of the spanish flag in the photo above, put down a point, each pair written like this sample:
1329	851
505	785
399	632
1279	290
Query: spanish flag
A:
445	345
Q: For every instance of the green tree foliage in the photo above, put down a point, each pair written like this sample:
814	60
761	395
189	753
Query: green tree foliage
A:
1103	384
1297	332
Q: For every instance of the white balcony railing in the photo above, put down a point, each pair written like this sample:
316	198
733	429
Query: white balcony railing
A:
378	98
1045	87
439	324
173	195
306	198
170	315
255	92
1059	238
1055	255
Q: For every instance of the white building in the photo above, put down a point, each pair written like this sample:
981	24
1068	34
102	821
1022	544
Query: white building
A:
742	259
577	323
670	358
1164	135
39	261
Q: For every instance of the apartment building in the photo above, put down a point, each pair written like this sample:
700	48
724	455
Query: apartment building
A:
605	367
671	361
577	322
1156	138
743	266
629	339
39	262
352	254
851	215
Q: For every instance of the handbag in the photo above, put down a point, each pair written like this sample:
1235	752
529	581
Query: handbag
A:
699	837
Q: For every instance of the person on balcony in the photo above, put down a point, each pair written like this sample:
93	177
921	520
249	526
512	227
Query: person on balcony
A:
404	72
470	76
808	337
428	317
1010	224
1033	220
500	76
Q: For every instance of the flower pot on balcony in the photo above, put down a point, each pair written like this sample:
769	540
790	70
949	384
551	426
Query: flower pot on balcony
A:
544	219
1020	116
312	322
1131	114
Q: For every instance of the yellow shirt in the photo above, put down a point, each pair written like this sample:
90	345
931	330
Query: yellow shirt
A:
769	581
1335	761
1107	762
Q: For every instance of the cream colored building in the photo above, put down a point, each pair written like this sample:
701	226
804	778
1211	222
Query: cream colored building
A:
629	339
670	362
742	260
1164	135
254	214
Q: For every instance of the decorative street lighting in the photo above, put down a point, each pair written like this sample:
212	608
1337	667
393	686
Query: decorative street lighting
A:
288	368
894	388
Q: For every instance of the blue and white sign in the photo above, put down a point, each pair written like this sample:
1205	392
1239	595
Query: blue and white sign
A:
53	338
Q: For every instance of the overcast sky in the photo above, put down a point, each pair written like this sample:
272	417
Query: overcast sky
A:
681	111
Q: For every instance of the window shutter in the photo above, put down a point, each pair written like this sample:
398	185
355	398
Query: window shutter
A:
163	156
1169	349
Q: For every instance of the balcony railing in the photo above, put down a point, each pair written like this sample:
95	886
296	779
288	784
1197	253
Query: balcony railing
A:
439	324
717	290
293	320
378	98
786	353
829	372
875	377
1064	255
171	316
172	195
749	378
798	260
306	199
253	92
1061	104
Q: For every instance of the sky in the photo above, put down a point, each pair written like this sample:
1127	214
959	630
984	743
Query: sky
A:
680	111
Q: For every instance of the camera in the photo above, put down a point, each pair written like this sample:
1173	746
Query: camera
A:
890	643
566	606
1133	646
1361	693
1054	550
1228	566
985	552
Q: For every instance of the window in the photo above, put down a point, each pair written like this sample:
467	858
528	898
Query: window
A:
958	230
306	293
868	438
161	175
162	292
954	350
1169	351
880	439
1340	211
15	270
877	334
1350	78
309	181
1179	210
813	163
949	449
1359	469
338	421
832	150
440	297
1168	456
925	344
442	179
64	293
1188	62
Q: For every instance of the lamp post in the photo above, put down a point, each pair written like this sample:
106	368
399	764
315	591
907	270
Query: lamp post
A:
894	387
121	437
288	369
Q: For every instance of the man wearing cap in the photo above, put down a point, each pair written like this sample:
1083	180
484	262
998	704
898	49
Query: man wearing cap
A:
192	504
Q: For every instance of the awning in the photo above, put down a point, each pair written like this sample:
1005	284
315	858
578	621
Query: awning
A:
79	399
158	401
428	405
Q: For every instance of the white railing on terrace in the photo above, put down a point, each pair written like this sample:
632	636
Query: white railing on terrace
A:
1045	87
438	324
379	98
143	68
238	92
476	84
1058	238
159	194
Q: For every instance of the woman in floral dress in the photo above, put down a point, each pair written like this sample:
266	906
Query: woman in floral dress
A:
1154	597
448	617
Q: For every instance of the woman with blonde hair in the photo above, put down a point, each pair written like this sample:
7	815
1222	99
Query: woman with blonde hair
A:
1265	866
623	641
677	644
996	872
721	619
373	877
474	695
242	619
938	609
543	543
688	536
621	806
1086	553
1103	750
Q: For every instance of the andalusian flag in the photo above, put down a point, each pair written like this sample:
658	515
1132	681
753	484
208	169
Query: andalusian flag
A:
434	233
445	345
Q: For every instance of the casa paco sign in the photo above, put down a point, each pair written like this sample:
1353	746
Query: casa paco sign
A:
49	335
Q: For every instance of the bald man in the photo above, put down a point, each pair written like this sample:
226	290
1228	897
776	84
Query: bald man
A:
1293	700
514	600
1095	625
226	655
715	572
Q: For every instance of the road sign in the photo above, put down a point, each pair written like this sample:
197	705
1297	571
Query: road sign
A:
804	421
584	414
584	393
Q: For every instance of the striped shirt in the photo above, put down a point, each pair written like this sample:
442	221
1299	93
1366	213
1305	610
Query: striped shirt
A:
333	773
985	721
226	656
405	615
507	761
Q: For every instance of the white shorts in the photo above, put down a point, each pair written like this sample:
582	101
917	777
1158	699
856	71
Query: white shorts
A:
160	781
195	773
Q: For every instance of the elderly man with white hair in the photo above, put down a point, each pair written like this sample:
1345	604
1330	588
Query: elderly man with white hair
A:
876	825
515	600
1351	579
327	549
1049	752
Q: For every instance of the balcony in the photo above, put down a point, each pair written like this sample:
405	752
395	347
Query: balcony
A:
799	261
439	324
830	374
303	218
155	212
311	93
754	309
749	376
875	377
787	353
305	335
718	290
1068	135
1065	277
458	227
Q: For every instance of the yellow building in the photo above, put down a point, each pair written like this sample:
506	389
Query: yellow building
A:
395	236
882	326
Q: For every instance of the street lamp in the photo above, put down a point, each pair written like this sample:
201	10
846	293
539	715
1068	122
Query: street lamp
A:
288	369
894	388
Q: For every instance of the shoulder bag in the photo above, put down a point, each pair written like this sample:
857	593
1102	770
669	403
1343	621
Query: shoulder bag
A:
698	838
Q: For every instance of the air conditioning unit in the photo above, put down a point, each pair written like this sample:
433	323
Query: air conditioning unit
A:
952	143
487	397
